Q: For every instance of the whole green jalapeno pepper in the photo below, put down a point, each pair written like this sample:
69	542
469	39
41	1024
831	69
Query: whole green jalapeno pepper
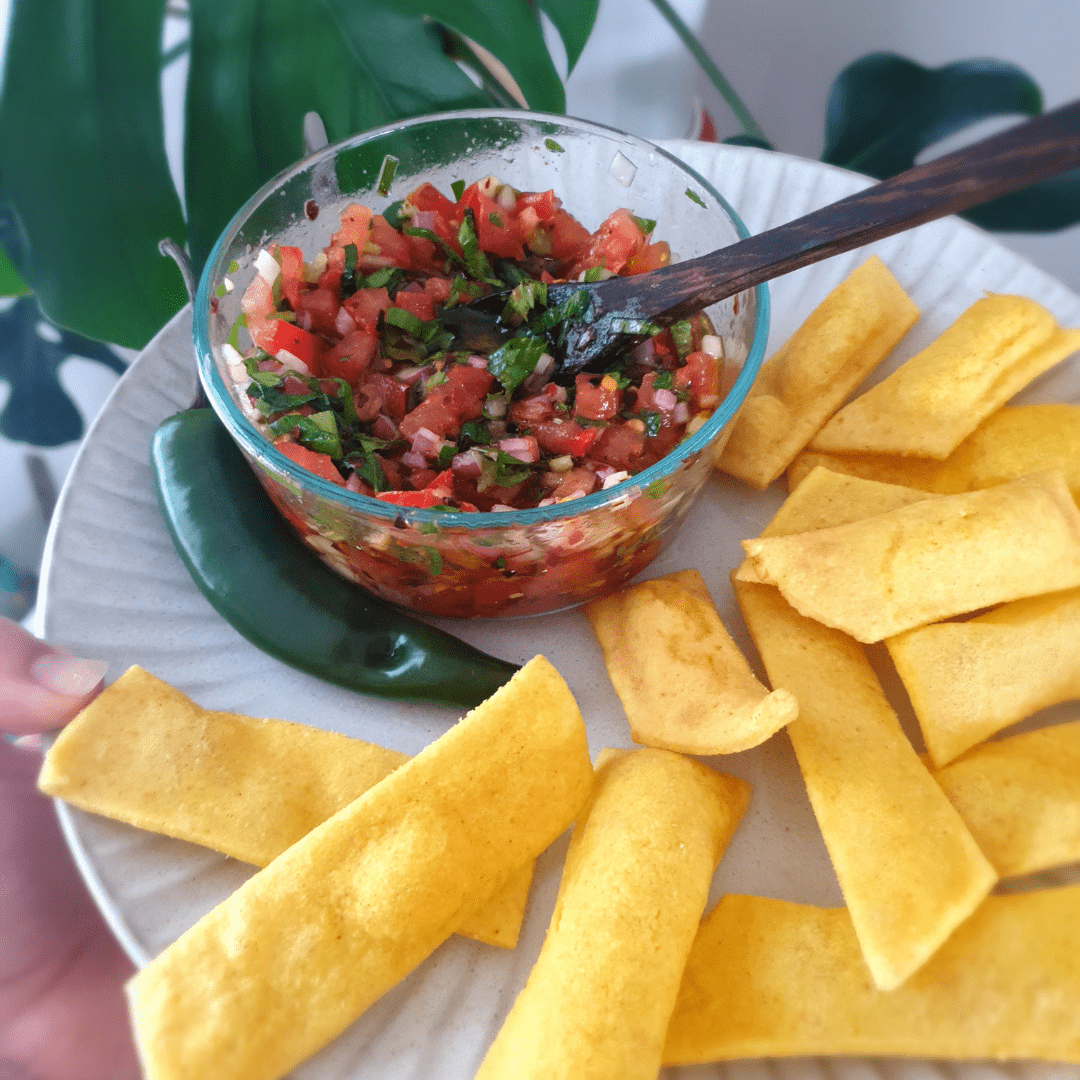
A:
260	578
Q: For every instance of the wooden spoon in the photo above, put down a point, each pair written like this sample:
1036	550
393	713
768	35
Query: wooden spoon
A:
1021	156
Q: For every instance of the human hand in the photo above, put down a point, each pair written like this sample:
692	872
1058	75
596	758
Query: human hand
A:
62	1010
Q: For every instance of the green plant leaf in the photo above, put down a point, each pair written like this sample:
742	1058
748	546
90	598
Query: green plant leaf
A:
38	409
83	162
256	69
511	30
574	20
883	109
1044	207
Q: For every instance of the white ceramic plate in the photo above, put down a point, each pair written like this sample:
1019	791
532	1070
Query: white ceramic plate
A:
114	588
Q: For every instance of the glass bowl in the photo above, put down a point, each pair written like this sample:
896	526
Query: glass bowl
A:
518	562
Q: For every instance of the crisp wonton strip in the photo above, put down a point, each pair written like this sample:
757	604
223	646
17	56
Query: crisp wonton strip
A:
1012	442
907	865
846	336
825	499
681	679
636	879
930	560
767	978
300	950
967	680
145	754
1020	797
934	401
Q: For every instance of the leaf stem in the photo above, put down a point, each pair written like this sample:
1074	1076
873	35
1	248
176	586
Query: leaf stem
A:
749	125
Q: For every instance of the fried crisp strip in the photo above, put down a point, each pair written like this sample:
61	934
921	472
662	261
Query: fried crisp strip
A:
145	754
930	560
300	950
825	499
636	879
798	388
1014	441
681	679
767	978
1020	797
967	680
907	865
938	398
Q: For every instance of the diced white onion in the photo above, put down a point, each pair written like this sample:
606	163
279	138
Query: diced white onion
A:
229	286
268	267
561	464
712	345
604	274
231	354
506	197
291	363
615	478
488	187
495	408
696	424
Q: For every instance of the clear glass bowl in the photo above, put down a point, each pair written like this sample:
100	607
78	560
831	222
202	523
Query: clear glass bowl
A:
500	563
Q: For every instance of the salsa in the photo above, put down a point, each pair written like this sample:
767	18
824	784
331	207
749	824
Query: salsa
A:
359	371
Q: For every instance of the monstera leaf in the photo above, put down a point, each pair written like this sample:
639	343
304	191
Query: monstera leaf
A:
82	141
884	110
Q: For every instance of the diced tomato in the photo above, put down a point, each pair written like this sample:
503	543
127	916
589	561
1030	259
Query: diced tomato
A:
617	239
447	406
619	446
443	484
496	227
284	335
470	386
355	227
350	358
530	410
429	197
665	439
292	274
575	482
421	500
701	374
568	236
595	401
646	393
366	305
385	394
316	310
416	301
542	203
330	278
319	464
650	258
258	298
438	288
565	437
389	242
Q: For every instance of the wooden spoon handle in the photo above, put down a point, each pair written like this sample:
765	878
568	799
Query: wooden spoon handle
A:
1030	152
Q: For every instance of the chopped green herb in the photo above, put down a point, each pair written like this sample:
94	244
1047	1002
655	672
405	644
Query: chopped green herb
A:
386	174
693	196
426	528
683	335
394	216
622	380
525	296
510	272
233	266
574	306
458	189
656	489
652	422
438	241
496	220
282	316
390	278
220	291
515	361
430	333
318	432
641	327
446	456
434	561
476	263
552	145
460	287
348	275
663	380
594	273
474	433
645	225
502	470
234	332
500	562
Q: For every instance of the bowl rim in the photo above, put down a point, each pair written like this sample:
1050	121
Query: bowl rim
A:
253	443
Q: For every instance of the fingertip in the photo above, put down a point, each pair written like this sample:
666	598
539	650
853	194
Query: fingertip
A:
72	676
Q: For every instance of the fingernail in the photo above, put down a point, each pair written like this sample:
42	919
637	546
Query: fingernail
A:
66	674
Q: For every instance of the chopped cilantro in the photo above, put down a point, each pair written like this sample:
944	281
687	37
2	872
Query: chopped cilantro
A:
594	273
496	220
390	278
460	287
502	470
386	174
446	456
435	562
474	433
318	432
525	296
663	380
234	332
476	263
683	335
394	216
220	291
656	489
430	334
693	196
438	241
553	146
652	422
233	266
515	361
645	225
348	275
458	189
621	379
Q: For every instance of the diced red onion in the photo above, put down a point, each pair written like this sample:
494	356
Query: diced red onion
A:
424	219
524	448
665	400
343	322
414	460
409	375
384	428
467	464
477	362
682	413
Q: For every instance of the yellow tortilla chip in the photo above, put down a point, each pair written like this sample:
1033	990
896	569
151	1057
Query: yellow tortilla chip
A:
930	560
1012	442
300	950
825	499
681	679
798	388
938	398
907	865
1020	797
967	680
145	754
767	978
636	879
